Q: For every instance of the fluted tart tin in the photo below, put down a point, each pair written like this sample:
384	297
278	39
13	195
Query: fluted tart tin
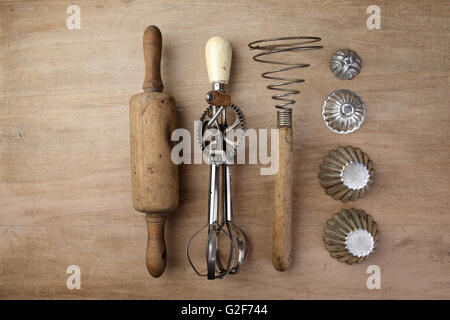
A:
345	64
343	111
346	173
351	236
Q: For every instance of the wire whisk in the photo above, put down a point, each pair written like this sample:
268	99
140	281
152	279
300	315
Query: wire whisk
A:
273	46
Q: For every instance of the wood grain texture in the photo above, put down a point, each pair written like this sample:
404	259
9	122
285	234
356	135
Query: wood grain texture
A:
282	214
154	177
156	255
65	186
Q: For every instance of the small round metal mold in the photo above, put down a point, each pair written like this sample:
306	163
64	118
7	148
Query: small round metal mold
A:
346	174
345	64
351	236
343	111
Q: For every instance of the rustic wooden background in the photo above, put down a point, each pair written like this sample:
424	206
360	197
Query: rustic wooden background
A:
64	147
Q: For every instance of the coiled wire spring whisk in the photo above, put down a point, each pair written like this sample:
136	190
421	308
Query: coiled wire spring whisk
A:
274	46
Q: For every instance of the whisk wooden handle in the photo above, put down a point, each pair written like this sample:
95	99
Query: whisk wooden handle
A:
282	220
156	247
218	59
152	42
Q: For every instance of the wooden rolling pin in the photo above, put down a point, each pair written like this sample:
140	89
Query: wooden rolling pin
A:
282	220
154	175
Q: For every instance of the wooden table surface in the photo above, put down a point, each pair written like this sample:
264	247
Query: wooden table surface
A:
64	147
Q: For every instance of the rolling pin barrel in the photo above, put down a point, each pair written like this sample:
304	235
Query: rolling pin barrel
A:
154	175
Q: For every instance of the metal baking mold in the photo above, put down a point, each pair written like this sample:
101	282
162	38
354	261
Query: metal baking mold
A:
346	174
345	64
343	111
351	236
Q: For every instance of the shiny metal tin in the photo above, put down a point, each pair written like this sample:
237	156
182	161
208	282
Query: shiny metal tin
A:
343	111
346	174
351	236
345	64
